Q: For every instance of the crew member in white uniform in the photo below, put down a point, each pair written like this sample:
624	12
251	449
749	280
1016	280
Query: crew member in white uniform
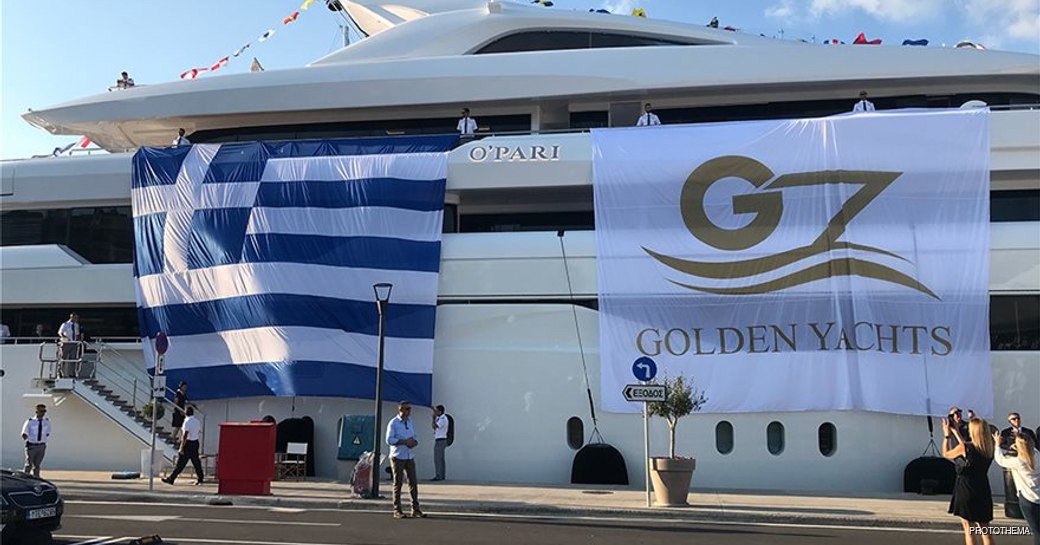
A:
863	105
35	433
467	125
440	441
181	140
649	118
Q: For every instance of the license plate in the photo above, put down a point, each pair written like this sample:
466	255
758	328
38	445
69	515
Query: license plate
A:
41	513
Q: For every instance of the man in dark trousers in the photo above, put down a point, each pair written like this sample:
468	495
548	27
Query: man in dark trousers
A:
402	438
440	441
189	449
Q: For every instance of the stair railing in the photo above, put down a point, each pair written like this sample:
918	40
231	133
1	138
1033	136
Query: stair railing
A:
139	377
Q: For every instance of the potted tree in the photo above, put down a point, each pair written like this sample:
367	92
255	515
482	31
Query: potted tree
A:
671	476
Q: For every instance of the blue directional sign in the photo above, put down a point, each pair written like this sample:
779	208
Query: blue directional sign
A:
644	368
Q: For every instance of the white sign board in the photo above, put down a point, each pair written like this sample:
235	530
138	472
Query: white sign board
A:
158	386
644	392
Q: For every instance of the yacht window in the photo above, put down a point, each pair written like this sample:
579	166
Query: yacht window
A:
95	322
775	438
575	433
1014	322
724	437
1018	205
559	40
532	221
100	235
828	439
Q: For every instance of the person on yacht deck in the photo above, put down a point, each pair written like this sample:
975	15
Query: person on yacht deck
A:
125	82
181	140
863	105
467	125
649	118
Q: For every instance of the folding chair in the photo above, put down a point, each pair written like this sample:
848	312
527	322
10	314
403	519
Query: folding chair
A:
294	463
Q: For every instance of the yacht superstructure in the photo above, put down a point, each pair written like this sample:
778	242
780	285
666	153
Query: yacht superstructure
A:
507	354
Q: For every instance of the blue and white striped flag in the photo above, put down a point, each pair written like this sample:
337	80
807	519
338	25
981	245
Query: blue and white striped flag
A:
258	260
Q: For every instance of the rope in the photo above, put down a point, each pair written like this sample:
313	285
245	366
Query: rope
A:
581	347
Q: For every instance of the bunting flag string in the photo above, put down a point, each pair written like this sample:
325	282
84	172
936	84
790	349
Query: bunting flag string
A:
82	143
194	73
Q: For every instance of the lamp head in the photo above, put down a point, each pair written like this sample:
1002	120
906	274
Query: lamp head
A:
382	291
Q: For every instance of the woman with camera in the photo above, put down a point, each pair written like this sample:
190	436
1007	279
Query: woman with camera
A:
972	499
1023	460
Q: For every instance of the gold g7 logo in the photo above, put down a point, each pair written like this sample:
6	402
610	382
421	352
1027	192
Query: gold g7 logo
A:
767	205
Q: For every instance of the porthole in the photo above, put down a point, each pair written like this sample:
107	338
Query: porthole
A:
775	438
828	435
724	437
575	433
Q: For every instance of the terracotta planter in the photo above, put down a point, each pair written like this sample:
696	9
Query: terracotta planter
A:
671	478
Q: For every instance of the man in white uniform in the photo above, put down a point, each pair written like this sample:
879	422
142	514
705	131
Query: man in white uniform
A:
440	437
863	105
467	125
649	118
35	433
189	449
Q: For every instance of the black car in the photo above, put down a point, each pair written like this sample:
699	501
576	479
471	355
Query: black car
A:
31	506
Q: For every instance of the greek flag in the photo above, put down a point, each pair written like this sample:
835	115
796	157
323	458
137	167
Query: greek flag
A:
258	260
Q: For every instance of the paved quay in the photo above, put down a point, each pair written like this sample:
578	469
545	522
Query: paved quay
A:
878	510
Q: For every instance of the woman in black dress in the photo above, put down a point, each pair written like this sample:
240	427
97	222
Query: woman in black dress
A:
972	499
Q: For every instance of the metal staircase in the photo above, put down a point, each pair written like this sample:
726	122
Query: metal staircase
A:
116	386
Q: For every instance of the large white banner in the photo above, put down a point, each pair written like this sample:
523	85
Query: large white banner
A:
815	264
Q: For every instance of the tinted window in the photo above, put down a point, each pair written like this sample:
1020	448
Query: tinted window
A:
354	129
1014	322
828	439
545	221
724	437
1019	205
559	40
775	438
94	322
100	235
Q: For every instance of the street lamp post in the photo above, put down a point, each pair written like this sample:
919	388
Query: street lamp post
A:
382	291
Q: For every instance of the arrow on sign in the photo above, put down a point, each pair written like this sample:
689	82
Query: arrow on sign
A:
644	392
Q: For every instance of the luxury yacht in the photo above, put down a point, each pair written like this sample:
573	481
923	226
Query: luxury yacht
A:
517	303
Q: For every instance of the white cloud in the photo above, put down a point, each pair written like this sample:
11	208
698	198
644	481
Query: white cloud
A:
1019	19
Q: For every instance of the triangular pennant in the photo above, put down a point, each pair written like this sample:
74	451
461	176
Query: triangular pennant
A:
241	49
306	4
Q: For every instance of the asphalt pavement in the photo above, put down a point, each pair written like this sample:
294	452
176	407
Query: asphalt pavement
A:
108	523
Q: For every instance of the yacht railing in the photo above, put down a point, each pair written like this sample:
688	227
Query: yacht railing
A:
99	360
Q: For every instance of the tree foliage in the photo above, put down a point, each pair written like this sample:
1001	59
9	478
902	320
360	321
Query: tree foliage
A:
681	400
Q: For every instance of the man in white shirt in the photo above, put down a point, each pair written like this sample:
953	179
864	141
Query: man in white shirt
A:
35	433
181	140
467	125
69	336
863	105
649	118
440	441
191	432
402	438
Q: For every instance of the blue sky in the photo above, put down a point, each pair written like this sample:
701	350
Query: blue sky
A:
60	50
